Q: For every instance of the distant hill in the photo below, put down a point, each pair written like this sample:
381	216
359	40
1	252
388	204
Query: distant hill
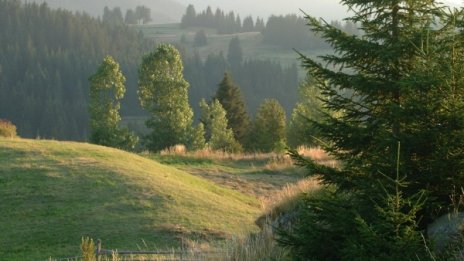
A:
163	11
53	193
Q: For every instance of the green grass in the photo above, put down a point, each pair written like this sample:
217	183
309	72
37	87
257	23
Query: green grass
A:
53	193
259	176
251	42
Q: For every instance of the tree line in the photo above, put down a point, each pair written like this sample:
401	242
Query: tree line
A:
287	31
224	23
140	15
225	124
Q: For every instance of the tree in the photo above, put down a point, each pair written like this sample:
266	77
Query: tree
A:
163	92
231	99
218	135
112	16
235	53
399	124
188	19
106	90
130	17
200	39
301	130
269	127
260	26
248	24
143	14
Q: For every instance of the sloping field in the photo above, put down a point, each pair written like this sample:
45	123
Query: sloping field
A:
53	193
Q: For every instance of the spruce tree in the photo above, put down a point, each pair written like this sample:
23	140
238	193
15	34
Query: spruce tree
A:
386	97
235	53
397	91
231	99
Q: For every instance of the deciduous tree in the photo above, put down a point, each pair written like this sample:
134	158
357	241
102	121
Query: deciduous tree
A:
269	127
163	92
106	90
218	135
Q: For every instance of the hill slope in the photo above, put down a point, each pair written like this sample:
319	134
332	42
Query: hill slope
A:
53	193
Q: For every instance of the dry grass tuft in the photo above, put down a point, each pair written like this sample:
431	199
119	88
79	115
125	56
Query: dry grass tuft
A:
318	155
287	196
178	149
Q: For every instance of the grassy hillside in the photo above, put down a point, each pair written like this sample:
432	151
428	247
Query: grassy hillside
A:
251	42
53	193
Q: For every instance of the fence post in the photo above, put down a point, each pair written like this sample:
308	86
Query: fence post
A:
182	249
99	247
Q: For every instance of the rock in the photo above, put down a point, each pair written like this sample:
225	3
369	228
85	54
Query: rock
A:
446	230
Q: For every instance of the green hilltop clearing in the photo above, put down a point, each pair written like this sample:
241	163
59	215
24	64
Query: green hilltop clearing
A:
53	193
251	42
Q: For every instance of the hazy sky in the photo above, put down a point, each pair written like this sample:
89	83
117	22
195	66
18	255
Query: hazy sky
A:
327	9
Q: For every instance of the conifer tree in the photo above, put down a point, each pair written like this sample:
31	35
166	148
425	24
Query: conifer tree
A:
235	53
231	99
163	92
390	88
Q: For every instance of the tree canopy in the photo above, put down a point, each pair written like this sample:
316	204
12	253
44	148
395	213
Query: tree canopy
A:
163	92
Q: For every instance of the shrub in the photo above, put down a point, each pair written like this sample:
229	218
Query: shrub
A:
7	129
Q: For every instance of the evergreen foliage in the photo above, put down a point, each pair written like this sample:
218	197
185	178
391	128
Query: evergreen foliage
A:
399	83
231	99
112	16
223	23
235	53
290	31
218	135
200	39
248	24
258	79
143	13
46	59
268	132
163	92
106	90
130	17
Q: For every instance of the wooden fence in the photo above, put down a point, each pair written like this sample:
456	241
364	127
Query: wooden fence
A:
173	255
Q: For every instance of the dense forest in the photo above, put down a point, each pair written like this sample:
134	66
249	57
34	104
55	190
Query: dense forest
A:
48	56
46	59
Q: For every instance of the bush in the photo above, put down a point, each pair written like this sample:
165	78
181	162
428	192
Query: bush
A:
7	129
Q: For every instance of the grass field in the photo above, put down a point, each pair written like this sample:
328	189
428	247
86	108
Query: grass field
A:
251	42
53	193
